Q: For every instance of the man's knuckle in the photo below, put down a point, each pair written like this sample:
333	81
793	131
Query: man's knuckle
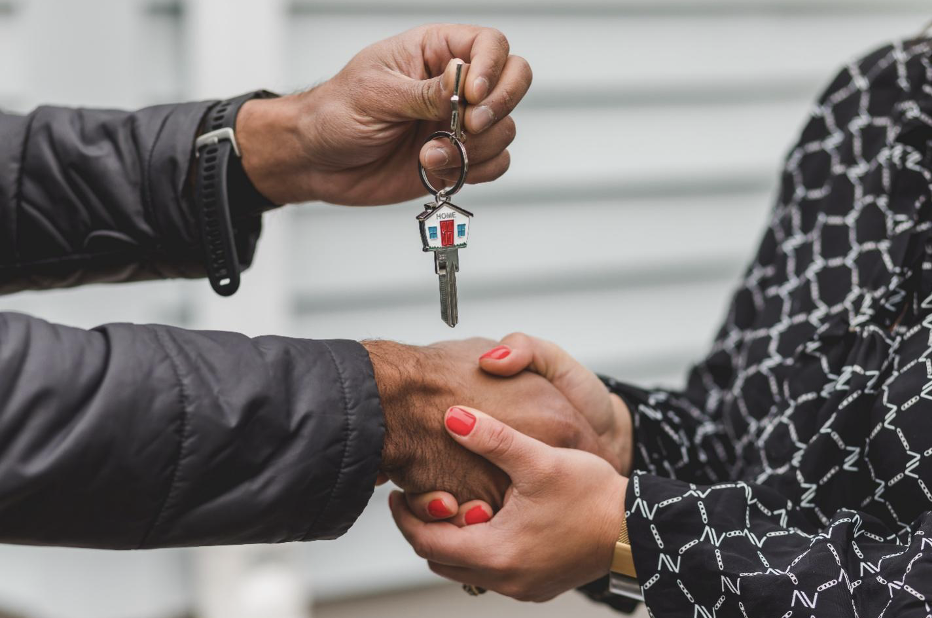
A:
510	129
505	163
508	101
427	97
500	40
524	69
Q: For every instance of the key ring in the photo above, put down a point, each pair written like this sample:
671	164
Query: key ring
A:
441	195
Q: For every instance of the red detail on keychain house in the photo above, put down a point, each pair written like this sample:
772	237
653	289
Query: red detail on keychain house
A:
446	233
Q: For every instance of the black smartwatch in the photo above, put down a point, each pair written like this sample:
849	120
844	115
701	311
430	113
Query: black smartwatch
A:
223	194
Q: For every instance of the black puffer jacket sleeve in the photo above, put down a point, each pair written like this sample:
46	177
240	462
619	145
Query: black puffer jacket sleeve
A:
131	436
92	195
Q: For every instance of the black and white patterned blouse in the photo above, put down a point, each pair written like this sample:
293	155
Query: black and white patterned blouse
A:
793	475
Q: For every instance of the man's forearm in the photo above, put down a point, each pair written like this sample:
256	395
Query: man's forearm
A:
149	436
124	214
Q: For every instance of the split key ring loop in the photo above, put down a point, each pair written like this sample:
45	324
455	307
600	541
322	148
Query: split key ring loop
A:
441	195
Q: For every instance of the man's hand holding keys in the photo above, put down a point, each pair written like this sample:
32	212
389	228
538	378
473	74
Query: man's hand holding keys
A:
353	139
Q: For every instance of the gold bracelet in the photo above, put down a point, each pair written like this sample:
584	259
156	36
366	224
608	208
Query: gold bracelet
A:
623	561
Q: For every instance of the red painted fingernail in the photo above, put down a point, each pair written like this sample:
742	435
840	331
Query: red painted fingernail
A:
438	509
460	422
497	353
476	515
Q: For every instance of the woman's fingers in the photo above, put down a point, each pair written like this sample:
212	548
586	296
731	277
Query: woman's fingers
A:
472	513
440	155
432	505
517	454
440	506
507	359
582	387
518	352
438	541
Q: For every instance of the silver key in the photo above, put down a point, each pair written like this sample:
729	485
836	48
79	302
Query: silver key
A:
445	226
444	231
446	265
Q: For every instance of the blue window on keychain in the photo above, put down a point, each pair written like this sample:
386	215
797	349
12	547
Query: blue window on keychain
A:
461	229
432	230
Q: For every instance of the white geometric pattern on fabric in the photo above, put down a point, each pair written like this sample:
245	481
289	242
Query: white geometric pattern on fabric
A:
793	475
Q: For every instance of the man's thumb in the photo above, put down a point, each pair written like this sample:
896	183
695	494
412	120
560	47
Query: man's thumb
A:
429	99
507	448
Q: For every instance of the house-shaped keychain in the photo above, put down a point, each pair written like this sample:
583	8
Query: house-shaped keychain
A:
444	227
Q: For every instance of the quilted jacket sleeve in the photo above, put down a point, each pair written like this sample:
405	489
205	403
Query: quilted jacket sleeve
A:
92	196
131	436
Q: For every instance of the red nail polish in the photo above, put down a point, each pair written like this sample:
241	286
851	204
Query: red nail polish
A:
460	422
497	353
476	515
438	509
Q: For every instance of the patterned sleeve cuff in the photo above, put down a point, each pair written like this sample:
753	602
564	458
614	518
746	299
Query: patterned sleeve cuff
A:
633	397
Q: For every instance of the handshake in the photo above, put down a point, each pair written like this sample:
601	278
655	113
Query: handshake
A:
471	428
529	384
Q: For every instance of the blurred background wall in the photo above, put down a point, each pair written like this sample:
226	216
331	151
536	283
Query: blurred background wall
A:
647	154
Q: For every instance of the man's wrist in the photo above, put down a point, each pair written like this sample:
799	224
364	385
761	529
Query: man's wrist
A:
404	377
270	136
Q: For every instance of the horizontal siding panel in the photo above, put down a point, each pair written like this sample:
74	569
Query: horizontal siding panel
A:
90	306
161	54
579	49
651	143
620	324
11	70
530	248
629	7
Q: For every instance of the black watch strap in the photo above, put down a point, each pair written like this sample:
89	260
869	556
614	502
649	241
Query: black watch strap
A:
223	192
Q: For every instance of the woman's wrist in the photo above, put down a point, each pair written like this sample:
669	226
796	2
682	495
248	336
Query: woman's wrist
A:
272	138
624	432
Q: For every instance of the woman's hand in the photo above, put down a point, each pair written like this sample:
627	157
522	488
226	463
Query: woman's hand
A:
355	138
418	455
605	411
556	531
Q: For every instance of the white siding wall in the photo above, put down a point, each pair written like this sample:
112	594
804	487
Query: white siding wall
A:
647	152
